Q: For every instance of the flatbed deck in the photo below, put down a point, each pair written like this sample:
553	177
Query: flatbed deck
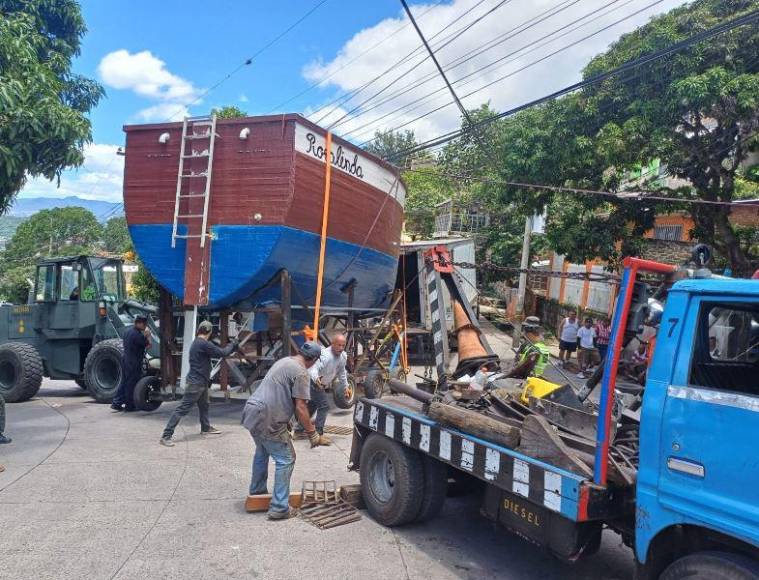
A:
573	496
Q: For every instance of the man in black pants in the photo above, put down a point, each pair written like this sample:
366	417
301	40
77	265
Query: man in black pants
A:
136	340
197	382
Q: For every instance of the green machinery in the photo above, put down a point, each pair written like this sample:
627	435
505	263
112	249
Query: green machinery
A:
71	328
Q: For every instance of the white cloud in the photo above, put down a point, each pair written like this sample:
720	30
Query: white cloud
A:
243	98
147	76
515	22
100	177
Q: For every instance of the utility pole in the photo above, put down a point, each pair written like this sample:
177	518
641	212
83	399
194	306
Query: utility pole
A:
524	265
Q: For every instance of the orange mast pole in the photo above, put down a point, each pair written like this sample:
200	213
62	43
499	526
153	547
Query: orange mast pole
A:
325	220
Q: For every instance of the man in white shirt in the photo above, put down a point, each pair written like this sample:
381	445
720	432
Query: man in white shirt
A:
588	355
330	366
568	337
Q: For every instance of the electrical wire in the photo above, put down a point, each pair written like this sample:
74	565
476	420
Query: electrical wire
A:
595	79
532	46
354	59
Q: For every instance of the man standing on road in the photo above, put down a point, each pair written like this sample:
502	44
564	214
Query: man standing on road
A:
283	392
568	337
3	438
136	340
330	366
197	382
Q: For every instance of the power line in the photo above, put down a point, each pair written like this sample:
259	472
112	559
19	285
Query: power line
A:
638	196
443	42
634	63
524	67
354	59
532	46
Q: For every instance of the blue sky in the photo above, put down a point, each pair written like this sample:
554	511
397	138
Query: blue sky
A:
157	58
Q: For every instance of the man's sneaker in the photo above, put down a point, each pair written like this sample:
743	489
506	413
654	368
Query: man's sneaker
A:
324	440
211	431
290	513
4	439
581	375
2	468
116	408
167	442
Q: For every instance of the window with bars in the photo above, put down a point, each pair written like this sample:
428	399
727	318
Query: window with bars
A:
672	233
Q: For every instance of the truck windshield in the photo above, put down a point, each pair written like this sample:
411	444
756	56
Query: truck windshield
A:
103	281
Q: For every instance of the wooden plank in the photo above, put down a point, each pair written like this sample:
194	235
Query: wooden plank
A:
260	503
475	424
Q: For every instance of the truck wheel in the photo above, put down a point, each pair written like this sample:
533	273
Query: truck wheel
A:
82	382
146	388
102	369
345	398
374	384
392	478
712	566
20	371
435	488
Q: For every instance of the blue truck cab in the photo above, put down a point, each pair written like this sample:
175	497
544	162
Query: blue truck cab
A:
697	493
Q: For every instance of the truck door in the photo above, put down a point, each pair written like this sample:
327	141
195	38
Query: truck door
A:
709	464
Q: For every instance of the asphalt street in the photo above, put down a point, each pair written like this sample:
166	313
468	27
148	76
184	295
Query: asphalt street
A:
91	494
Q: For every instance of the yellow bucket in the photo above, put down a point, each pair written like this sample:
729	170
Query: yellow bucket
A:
538	388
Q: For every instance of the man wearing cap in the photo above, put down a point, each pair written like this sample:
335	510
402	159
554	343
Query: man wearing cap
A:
283	392
136	340
197	381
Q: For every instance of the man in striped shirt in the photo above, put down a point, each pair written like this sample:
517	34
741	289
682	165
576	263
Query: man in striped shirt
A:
603	334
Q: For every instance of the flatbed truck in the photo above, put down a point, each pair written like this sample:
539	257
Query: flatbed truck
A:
692	510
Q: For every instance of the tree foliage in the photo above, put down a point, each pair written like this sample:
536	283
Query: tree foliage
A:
116	236
696	110
425	188
387	144
229	112
43	105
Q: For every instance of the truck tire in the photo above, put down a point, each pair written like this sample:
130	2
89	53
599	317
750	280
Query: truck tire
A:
143	390
82	382
712	566
435	488
102	369
374	384
392	478
345	398
20	371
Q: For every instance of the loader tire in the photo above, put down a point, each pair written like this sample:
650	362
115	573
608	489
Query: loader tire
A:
82	382
712	566
392	478
102	369
20	371
143	390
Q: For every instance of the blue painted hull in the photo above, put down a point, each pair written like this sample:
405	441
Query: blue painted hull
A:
244	258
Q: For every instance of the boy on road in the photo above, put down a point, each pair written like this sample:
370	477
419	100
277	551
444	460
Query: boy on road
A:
588	356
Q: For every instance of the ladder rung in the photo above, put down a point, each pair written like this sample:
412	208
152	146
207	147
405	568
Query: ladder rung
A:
190	215
194	156
195	175
184	237
203	123
204	136
192	195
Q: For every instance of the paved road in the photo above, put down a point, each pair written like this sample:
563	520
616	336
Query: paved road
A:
90	494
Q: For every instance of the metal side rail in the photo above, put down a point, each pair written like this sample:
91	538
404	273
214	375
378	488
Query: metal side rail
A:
572	496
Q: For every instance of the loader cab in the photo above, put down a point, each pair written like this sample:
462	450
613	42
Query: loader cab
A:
79	279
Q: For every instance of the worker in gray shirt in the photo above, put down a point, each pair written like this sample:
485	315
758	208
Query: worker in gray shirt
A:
198	381
283	392
329	367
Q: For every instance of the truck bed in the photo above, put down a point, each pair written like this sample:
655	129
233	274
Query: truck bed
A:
572	496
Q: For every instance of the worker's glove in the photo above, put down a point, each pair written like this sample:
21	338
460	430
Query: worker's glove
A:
313	438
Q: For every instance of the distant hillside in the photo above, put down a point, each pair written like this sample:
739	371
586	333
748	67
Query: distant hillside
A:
8	225
103	210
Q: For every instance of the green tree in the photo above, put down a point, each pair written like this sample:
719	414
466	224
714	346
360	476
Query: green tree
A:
48	233
116	236
144	287
43	105
228	112
387	144
425	188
